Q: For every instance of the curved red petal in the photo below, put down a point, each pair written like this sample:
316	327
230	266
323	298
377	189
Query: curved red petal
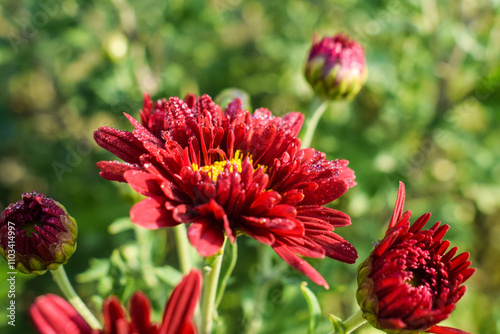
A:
299	263
114	170
113	312
151	213
52	314
205	237
320	214
398	209
336	247
140	313
445	330
123	144
143	182
179	310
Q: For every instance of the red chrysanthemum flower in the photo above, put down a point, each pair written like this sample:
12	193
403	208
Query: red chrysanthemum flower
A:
229	173
52	314
37	234
411	281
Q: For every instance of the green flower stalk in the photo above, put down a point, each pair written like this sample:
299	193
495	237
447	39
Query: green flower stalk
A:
37	234
336	67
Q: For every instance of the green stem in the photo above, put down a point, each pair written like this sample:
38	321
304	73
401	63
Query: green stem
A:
60	277
208	307
183	248
269	276
354	321
226	274
145	241
318	107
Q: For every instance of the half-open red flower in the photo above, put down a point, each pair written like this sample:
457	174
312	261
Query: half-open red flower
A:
411	281
228	173
52	314
37	234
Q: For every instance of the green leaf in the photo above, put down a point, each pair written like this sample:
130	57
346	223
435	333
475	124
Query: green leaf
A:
168	274
313	305
98	268
120	225
338	325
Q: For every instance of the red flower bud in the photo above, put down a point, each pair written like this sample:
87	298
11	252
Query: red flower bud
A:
36	234
336	67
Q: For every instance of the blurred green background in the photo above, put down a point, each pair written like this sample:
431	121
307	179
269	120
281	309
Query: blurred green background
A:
428	116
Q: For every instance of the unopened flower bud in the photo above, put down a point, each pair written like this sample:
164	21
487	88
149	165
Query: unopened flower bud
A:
36	234
336	67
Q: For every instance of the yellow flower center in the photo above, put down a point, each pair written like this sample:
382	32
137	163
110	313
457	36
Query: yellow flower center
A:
217	167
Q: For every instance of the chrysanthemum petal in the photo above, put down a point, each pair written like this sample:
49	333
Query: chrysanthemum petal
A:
178	314
328	190
123	144
144	183
445	330
114	170
140	312
205	237
336	247
52	314
299	263
152	214
113	312
320	214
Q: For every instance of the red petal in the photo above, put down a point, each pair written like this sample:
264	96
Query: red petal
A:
292	197
392	323
190	100
114	170
123	144
304	247
262	235
262	143
52	314
328	190
336	247
347	175
140	312
178	315
299	263
400	202
151	214
264	203
281	226
445	330
113	311
205	237
293	122
142	182
143	134
320	214
419	224
283	210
